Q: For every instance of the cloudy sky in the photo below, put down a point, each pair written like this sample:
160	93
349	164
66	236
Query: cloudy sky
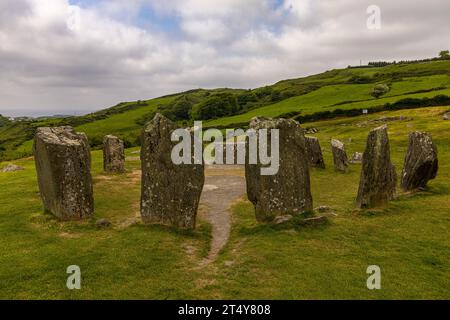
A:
77	56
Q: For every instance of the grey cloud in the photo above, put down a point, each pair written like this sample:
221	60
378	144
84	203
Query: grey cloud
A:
46	68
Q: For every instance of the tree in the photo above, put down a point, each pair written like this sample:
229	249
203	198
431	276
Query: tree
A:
379	90
444	54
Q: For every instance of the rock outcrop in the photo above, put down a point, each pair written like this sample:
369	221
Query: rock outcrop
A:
113	155
356	158
170	193
421	162
11	168
63	164
315	155
288	191
339	155
378	178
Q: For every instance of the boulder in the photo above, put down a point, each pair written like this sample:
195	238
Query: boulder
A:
356	158
170	193
322	209
378	178
339	155
314	221
421	162
63	166
102	223
446	116
288	191
12	168
113	155
283	219
315	156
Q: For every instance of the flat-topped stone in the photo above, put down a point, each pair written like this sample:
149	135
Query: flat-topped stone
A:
287	192
63	162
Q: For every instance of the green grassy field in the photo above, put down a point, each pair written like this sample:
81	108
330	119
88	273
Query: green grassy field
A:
335	89
409	239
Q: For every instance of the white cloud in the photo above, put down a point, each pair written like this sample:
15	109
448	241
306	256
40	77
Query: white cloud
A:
113	55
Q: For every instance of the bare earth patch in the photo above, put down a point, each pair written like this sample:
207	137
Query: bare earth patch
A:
224	185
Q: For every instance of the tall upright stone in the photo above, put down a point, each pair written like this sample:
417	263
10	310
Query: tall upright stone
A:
288	191
113	154
170	193
378	178
421	162
315	155
339	155
63	166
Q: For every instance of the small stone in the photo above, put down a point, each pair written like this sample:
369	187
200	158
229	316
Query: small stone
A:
11	168
283	219
356	158
339	155
103	223
421	162
446	116
322	209
315	221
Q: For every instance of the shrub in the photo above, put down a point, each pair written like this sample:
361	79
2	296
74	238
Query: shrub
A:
379	90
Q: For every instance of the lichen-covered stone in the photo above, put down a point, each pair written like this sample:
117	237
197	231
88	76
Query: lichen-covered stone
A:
63	164
288	191
170	193
11	168
421	162
113	154
378	177
339	155
315	155
356	158
446	116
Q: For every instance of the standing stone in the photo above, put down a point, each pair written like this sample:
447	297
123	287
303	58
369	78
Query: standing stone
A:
421	162
356	158
314	152
113	155
378	177
63	166
170	193
339	155
288	191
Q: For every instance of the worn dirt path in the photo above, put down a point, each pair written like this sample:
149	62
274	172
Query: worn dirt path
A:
224	185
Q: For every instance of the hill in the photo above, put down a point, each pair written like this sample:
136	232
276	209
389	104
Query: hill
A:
340	92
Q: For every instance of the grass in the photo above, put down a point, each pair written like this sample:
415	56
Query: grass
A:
334	89
330	98
409	239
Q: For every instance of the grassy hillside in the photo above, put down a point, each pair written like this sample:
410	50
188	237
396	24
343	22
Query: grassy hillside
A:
408	239
342	90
